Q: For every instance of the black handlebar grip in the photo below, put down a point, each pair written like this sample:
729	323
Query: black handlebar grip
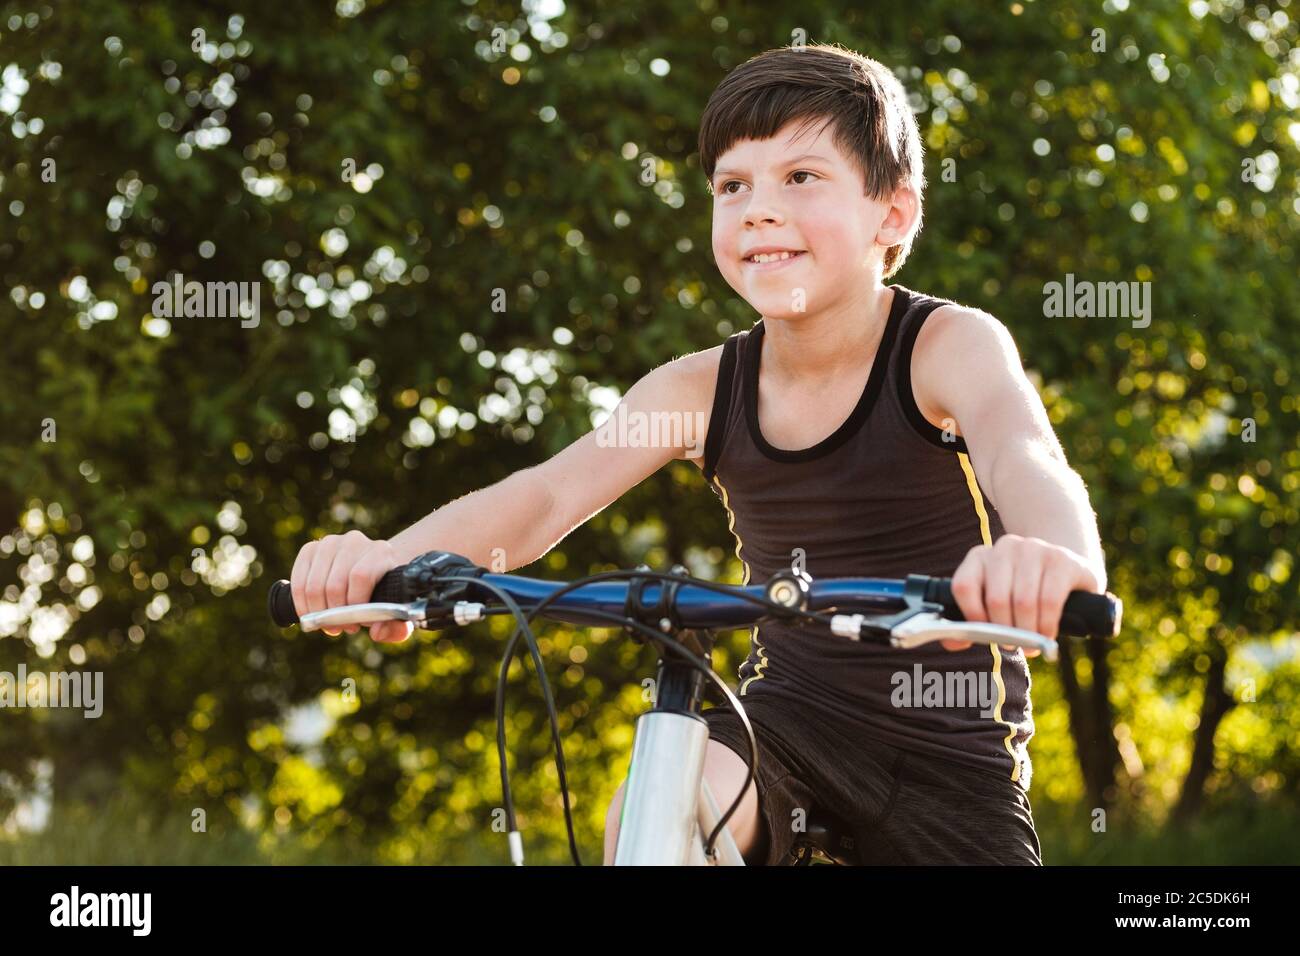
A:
1091	615
391	587
279	601
1085	614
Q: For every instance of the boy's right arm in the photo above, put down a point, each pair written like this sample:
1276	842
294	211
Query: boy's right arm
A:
517	520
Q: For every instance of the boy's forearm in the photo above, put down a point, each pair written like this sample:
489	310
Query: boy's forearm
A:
1038	495
501	527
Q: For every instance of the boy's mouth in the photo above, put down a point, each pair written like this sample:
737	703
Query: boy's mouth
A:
769	259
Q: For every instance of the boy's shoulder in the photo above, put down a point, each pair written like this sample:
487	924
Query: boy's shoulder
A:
692	376
687	385
953	316
952	328
683	384
959	348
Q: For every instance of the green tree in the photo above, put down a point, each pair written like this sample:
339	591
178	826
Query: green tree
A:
469	225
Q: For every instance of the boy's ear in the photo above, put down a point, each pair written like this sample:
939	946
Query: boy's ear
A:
900	220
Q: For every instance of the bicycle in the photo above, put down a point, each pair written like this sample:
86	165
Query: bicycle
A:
668	806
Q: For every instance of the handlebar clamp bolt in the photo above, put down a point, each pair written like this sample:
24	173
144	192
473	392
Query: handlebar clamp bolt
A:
789	589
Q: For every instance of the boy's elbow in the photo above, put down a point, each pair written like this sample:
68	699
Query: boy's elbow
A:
545	506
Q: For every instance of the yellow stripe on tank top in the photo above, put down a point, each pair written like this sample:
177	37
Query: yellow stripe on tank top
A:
986	535
760	669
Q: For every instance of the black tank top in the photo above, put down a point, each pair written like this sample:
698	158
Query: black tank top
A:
885	495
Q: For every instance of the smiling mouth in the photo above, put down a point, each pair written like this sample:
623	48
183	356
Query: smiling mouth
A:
773	258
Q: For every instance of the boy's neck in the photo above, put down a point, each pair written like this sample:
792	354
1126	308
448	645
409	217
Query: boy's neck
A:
813	345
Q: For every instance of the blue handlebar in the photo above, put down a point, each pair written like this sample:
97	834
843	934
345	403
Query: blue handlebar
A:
694	605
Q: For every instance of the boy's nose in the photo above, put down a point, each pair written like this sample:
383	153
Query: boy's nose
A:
762	212
761	208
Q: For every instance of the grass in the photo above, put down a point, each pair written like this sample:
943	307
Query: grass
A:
123	834
1249	835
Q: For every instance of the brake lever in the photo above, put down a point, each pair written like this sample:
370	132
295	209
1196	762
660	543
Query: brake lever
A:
927	626
417	612
924	622
348	614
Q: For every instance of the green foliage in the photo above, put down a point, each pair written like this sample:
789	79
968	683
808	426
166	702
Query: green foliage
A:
130	832
1249	833
193	457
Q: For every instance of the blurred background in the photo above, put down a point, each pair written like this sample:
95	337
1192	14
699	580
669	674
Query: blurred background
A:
382	169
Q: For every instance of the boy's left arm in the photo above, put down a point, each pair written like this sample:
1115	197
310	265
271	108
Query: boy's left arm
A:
966	369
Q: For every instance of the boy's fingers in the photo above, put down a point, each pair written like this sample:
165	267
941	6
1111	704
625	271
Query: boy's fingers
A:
955	645
968	588
1058	579
1026	588
365	573
322	556
298	578
998	580
391	632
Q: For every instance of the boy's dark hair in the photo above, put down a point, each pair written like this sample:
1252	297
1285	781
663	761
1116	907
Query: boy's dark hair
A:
865	101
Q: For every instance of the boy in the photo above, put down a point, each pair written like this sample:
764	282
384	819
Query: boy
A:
888	433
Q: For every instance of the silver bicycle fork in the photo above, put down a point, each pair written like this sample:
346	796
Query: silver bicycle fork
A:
668	808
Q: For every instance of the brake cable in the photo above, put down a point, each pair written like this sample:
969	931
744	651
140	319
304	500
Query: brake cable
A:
524	630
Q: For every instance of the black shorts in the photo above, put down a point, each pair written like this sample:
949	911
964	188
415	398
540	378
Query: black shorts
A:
901	807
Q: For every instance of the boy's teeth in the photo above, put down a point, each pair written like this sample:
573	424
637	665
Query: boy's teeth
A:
771	256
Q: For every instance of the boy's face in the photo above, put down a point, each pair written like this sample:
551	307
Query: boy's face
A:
802	195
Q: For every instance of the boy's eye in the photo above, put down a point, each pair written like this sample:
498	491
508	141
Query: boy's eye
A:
797	172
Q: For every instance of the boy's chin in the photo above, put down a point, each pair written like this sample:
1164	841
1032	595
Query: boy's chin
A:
780	307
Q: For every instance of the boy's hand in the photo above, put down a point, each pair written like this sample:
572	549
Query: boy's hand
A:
1020	582
343	569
